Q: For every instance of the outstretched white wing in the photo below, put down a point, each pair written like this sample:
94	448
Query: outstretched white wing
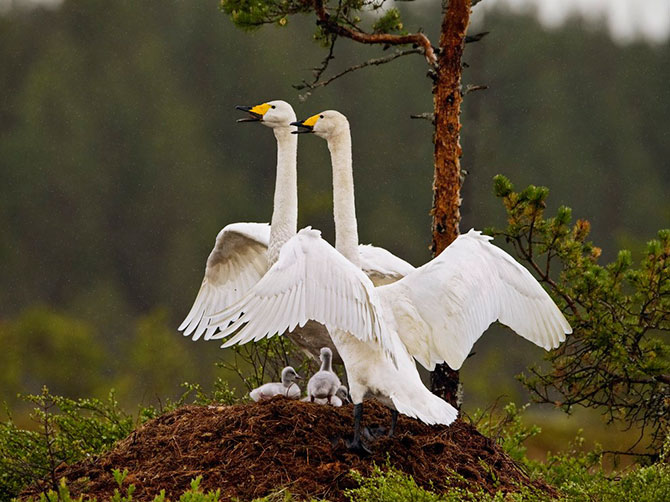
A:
310	280
382	266
236	263
442	308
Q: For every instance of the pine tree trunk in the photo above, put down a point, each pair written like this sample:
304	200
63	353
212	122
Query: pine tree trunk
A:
447	181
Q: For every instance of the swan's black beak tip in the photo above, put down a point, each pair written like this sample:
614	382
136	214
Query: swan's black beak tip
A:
302	128
253	116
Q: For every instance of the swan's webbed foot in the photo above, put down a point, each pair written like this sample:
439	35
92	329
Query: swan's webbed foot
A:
357	446
374	432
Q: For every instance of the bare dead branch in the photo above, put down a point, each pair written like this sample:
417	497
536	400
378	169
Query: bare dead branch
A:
472	88
318	71
475	38
371	62
425	116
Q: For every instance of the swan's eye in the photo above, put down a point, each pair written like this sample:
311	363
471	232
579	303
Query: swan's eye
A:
273	106
320	116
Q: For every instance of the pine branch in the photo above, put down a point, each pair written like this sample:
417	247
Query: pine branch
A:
418	39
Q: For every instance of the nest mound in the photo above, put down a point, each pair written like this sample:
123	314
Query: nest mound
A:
252	450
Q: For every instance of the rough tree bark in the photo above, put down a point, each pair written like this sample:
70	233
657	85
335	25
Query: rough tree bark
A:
447	179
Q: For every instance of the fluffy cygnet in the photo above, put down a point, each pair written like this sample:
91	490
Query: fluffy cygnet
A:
340	397
287	387
325	383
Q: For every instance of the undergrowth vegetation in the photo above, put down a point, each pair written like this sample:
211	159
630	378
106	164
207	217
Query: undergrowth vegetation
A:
69	430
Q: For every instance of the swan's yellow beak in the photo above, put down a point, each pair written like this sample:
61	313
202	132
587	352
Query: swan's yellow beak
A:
306	125
256	113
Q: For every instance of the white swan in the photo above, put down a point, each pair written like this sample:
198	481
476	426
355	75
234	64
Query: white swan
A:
324	383
287	387
434	314
243	252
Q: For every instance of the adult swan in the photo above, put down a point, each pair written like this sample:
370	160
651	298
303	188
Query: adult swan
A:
243	252
434	314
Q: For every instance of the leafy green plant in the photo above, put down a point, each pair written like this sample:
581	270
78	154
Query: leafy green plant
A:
388	485
262	361
615	360
193	494
66	430
507	428
391	485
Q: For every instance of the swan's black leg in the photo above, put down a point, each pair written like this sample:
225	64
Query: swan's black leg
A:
394	421
356	444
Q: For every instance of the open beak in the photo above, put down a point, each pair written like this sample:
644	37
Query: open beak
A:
302	127
253	116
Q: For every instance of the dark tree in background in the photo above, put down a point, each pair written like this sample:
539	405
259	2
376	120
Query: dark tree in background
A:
347	19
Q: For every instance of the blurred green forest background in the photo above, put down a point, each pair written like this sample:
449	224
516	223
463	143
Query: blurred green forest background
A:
120	160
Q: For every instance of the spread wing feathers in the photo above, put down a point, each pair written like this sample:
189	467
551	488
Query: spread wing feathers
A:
382	266
310	280
443	308
430	409
236	263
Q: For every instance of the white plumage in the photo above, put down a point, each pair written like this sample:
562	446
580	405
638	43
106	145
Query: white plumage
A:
311	280
434	314
340	397
324	384
287	387
237	262
243	252
443	307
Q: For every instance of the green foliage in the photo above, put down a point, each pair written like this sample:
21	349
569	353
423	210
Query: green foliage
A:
252	14
388	485
119	478
615	360
193	494
155	357
259	362
43	345
578	484
389	23
67	430
391	485
506	428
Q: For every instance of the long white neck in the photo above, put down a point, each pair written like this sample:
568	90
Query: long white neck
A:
326	363
284	223
344	207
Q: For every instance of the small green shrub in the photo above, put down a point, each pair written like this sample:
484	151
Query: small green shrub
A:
193	494
617	360
391	485
66	430
507	429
